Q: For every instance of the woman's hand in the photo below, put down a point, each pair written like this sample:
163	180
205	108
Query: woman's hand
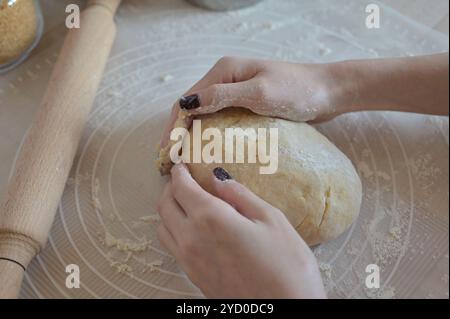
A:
297	92
316	92
233	244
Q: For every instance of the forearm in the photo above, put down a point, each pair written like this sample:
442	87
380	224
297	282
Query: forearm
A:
411	84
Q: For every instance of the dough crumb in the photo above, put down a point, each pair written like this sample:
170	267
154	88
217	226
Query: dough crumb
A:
124	245
121	268
383	293
163	162
152	266
326	270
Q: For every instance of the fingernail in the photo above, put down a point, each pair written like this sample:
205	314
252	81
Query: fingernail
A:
221	174
190	102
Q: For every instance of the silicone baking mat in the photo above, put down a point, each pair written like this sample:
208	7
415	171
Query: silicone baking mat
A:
106	220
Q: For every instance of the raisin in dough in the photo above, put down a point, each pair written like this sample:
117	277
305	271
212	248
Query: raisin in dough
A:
316	186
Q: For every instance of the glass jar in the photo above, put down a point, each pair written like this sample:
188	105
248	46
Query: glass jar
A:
21	27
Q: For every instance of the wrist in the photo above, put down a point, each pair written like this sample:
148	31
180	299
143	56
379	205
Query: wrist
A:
345	86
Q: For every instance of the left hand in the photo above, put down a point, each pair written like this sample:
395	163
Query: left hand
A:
292	91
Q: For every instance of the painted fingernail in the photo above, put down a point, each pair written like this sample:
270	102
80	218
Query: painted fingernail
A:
190	102
221	174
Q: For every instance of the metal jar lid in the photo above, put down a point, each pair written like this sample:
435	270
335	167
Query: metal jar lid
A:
223	5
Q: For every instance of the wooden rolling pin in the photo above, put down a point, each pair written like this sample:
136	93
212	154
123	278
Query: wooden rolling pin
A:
46	157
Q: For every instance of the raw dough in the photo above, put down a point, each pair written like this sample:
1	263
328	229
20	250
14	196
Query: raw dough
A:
163	162
315	186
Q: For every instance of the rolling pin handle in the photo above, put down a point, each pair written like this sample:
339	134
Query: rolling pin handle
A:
16	252
18	248
14	262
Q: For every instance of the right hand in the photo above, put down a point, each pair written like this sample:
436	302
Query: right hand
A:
297	92
233	244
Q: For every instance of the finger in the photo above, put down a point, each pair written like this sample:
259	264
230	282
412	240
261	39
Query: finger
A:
172	215
206	81
186	191
237	195
167	240
226	70
175	117
219	96
230	70
170	125
211	77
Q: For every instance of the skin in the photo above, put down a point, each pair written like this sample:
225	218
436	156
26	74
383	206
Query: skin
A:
233	244
318	92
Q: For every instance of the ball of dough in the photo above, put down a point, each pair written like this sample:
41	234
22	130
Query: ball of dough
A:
315	186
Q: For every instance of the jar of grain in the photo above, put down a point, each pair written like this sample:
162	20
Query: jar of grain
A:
21	26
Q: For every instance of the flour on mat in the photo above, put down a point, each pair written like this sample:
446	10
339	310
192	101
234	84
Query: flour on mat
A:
114	94
166	78
150	219
122	268
368	173
385	239
424	170
77	179
125	245
326	270
365	170
382	293
152	266
122	250
95	198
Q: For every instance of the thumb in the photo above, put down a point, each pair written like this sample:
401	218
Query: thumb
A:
237	195
219	96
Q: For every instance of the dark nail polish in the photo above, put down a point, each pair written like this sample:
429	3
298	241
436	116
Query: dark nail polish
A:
190	102
221	174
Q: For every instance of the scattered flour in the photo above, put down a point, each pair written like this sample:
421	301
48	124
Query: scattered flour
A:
152	266
95	198
368	173
326	270
121	268
384	175
150	219
125	245
324	51
126	248
386	240
114	94
384	293
166	78
77	180
424	170
365	170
